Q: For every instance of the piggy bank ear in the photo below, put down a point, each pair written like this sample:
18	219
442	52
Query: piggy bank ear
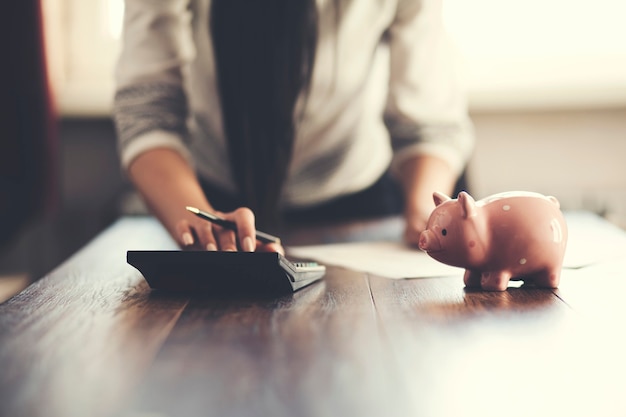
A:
440	198
468	205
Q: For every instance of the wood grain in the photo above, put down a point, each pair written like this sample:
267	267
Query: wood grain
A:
76	341
91	339
517	353
317	352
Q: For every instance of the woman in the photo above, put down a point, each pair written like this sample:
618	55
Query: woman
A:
298	109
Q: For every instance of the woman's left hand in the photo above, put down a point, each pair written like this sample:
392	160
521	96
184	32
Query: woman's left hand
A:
421	176
415	224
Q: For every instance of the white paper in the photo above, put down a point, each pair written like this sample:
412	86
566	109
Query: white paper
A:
591	240
383	258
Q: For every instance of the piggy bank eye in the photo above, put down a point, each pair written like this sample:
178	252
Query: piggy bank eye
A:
444	232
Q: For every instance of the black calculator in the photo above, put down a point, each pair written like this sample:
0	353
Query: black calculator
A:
223	272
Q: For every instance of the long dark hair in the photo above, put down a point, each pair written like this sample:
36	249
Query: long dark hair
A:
264	53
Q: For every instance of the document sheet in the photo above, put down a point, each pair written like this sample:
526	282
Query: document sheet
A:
384	258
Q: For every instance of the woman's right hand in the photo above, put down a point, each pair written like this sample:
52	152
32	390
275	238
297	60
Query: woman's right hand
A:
195	233
168	184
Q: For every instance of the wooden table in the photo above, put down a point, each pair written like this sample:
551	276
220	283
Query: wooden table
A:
91	339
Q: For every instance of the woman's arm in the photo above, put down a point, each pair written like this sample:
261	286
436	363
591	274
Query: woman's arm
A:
150	111
426	112
167	184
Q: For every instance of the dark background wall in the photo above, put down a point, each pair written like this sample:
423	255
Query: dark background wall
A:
90	187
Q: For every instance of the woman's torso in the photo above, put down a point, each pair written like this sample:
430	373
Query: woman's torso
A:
341	145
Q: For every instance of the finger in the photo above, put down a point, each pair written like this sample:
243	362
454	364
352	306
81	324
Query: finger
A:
226	239
206	236
184	234
409	237
412	234
415	225
246	232
270	247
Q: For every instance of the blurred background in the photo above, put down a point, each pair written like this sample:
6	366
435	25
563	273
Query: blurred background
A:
546	84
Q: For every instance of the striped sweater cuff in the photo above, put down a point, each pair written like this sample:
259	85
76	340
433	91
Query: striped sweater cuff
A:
139	109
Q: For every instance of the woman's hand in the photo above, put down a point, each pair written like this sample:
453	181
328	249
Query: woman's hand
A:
415	224
168	184
196	233
421	176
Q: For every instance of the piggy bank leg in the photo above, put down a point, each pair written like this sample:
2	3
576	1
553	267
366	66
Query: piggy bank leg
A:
548	278
495	281
471	278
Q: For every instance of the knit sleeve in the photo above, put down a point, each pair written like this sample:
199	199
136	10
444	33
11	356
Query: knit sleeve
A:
426	111
150	108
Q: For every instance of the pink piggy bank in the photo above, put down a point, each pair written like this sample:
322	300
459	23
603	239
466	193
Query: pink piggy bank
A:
508	236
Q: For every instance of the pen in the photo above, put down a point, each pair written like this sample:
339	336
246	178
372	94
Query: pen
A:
227	224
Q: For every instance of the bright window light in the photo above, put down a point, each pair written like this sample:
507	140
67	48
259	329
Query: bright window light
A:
113	15
518	54
537	52
489	29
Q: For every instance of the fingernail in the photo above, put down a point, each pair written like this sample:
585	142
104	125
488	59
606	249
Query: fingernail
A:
211	247
187	239
248	245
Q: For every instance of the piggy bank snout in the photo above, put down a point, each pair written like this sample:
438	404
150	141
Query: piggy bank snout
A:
428	242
